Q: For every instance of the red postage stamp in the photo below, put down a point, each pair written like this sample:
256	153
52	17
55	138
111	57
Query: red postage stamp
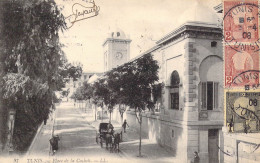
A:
241	24
241	68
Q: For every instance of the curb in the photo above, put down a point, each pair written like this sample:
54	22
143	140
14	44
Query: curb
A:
124	154
34	139
52	129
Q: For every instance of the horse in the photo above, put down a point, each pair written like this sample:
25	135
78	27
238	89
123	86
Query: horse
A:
116	141
109	140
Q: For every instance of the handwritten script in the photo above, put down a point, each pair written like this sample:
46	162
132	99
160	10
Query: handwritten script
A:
82	12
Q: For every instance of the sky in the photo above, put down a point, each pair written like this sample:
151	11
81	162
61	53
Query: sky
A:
143	21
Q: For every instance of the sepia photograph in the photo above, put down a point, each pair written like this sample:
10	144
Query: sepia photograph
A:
138	81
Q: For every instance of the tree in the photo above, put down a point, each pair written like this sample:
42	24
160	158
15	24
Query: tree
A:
114	78
136	81
32	62
93	95
70	71
65	93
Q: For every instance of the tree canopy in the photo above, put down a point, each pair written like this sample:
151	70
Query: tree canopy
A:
33	64
134	80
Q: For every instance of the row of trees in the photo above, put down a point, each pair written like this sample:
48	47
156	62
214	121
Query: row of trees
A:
32	63
132	84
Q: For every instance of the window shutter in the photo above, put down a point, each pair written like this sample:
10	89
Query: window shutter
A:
215	95
203	96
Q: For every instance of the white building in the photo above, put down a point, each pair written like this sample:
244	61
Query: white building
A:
190	59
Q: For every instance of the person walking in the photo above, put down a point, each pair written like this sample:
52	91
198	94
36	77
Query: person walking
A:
196	157
124	125
54	143
45	121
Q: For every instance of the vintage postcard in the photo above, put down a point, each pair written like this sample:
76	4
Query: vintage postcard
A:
104	81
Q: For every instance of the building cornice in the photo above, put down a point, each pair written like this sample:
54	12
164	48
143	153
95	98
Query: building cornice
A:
201	27
219	8
116	40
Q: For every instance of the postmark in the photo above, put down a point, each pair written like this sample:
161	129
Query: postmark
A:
241	68
241	25
242	111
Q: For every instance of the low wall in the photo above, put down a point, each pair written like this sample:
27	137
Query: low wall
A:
165	133
150	124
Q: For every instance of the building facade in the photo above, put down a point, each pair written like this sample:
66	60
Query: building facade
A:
191	69
191	116
191	107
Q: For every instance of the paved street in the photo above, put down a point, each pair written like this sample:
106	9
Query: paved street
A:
77	132
77	136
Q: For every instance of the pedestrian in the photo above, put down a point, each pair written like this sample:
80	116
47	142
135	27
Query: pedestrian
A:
124	125
196	157
54	143
45	121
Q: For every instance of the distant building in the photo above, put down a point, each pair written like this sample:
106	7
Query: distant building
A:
73	85
116	50
85	77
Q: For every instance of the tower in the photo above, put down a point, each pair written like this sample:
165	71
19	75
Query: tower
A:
116	50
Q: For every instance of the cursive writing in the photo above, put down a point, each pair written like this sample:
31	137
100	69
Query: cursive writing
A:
82	12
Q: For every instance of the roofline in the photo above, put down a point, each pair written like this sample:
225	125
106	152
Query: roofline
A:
218	8
181	28
152	49
171	35
115	39
139	56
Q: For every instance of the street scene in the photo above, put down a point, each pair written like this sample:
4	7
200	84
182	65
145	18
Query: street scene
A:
77	132
109	81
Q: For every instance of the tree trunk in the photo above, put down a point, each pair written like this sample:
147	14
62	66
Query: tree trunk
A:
110	115
95	112
102	114
140	136
121	113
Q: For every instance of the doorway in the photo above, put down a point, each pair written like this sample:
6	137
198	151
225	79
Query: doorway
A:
213	145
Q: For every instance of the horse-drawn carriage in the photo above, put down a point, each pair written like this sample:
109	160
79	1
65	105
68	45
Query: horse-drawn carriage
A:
105	134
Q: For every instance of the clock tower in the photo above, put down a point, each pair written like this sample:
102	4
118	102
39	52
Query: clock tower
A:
116	50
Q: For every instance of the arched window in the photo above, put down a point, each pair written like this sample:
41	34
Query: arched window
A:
174	90
175	79
118	34
210	73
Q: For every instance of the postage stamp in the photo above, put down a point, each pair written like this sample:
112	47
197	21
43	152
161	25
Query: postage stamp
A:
241	68
242	111
241	25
